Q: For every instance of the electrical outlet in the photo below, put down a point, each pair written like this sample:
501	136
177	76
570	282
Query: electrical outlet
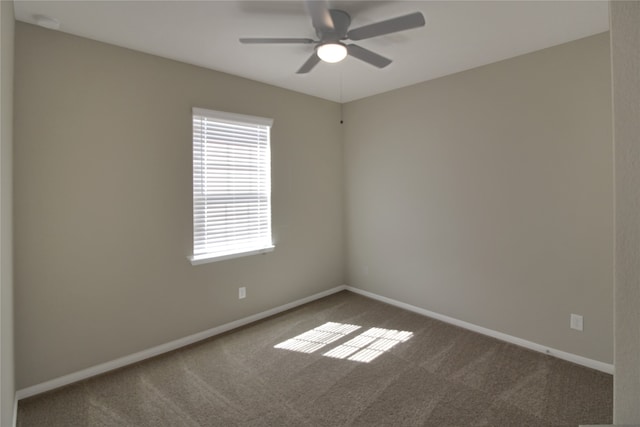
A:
576	322
242	292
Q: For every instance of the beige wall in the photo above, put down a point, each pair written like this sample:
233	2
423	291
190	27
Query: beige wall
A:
625	49
103	203
487	196
7	388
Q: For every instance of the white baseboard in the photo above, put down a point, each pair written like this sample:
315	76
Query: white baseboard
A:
589	363
173	345
163	348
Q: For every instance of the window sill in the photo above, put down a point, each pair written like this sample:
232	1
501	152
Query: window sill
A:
205	259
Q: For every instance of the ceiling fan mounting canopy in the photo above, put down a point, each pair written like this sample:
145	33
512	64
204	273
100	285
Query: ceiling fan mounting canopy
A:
332	29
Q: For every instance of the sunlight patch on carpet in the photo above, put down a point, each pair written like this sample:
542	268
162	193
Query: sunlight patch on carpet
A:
319	337
369	345
363	348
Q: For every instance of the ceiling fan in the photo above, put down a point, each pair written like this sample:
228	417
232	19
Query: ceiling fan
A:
332	29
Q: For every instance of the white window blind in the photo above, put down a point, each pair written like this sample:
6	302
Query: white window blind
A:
231	185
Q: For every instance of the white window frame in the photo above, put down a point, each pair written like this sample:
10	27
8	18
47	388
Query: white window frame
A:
241	144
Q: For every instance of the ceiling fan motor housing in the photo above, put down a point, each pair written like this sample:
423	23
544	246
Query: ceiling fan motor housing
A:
341	22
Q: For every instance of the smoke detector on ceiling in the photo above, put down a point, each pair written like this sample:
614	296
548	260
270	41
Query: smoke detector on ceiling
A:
46	22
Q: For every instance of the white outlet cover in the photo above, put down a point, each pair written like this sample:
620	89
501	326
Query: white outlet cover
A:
576	322
242	292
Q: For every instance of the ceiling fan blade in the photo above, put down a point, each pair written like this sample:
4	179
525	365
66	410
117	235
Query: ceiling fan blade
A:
266	40
320	16
367	56
401	23
309	64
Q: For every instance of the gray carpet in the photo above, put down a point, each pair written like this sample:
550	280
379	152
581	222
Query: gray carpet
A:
439	375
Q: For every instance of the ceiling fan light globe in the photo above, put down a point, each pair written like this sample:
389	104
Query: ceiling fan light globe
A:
332	52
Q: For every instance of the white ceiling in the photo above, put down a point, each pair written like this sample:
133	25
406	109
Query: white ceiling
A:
459	35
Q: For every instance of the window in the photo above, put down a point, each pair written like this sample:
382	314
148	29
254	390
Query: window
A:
231	185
